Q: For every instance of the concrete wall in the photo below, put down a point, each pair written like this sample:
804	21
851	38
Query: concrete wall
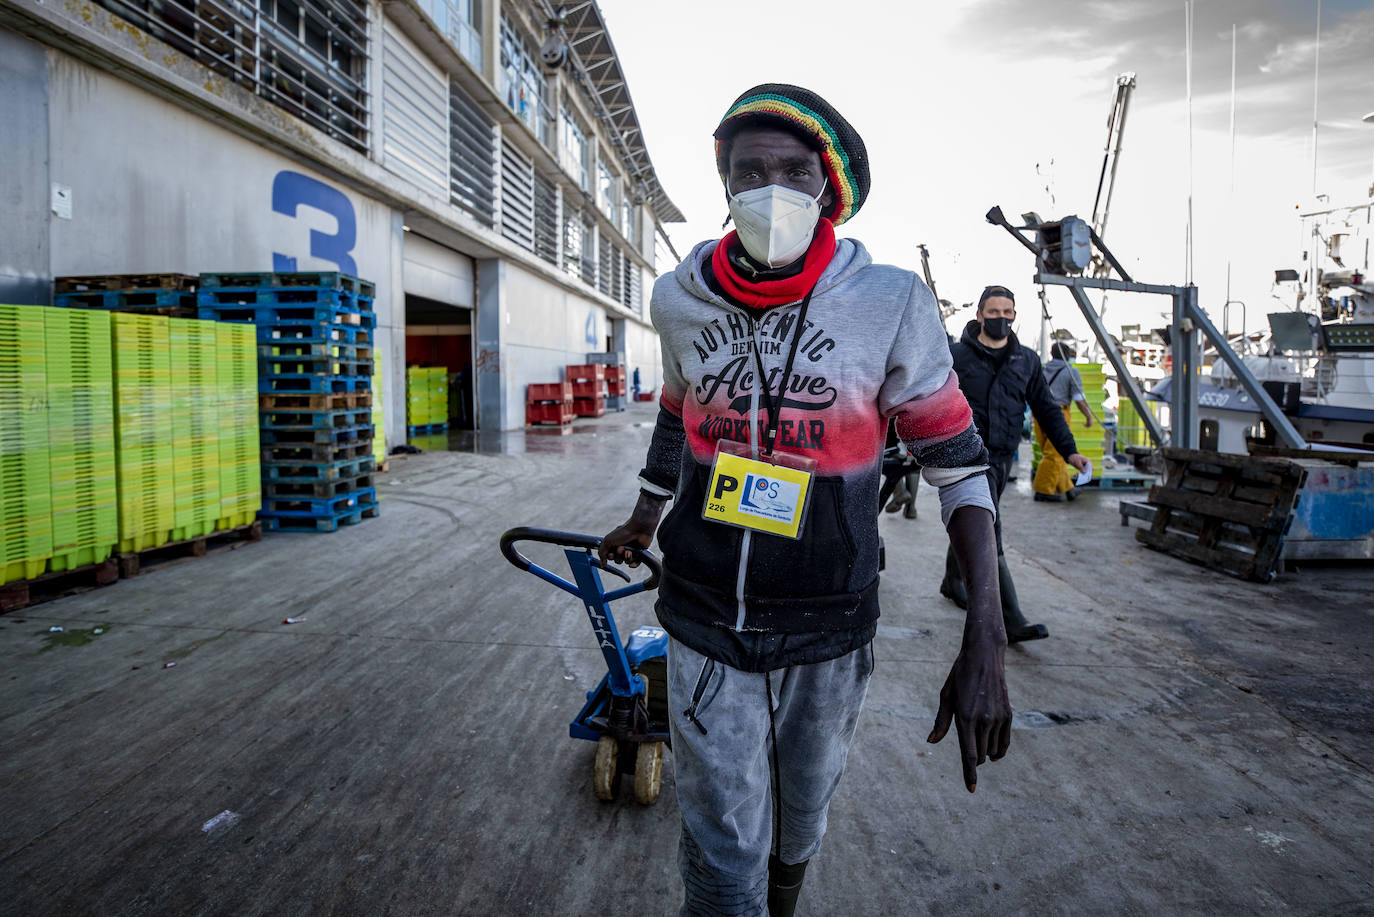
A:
157	189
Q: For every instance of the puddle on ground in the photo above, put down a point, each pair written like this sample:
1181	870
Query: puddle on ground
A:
71	637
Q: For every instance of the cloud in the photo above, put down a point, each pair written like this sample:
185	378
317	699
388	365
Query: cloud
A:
1342	43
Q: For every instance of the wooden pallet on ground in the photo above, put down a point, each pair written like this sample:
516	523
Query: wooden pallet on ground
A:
1224	511
133	563
49	586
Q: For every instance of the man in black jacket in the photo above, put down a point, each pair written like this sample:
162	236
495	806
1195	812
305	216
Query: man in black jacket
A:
999	377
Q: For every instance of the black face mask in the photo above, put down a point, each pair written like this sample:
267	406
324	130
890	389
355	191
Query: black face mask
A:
997	328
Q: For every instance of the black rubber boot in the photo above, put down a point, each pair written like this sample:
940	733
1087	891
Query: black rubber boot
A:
913	485
1018	628
784	886
952	586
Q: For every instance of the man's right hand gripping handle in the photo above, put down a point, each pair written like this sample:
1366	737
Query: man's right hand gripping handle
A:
637	531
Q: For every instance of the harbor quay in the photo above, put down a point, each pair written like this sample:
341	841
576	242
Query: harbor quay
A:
1185	742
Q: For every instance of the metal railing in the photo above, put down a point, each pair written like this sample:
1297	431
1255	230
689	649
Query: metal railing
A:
308	58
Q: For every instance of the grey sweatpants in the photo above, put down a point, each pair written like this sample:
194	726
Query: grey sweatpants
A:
731	816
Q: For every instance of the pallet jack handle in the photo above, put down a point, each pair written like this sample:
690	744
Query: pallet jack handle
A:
577	540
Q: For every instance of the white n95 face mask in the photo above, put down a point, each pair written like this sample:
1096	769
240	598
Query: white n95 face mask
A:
775	224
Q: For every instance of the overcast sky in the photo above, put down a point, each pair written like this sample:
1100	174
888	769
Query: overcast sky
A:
965	105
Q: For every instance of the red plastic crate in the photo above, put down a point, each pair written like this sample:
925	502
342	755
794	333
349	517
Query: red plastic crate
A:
588	390
585	371
644	396
555	412
615	373
618	387
548	391
589	407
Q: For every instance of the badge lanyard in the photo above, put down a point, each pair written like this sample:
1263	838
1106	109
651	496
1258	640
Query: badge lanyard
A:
770	433
770	494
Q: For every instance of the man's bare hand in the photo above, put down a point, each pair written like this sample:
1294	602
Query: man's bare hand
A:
637	531
616	544
975	699
1078	461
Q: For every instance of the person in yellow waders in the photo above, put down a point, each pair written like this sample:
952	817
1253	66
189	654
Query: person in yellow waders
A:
1053	480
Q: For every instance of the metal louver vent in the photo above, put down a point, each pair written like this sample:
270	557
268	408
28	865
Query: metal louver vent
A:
545	219
472	157
517	196
308	57
607	262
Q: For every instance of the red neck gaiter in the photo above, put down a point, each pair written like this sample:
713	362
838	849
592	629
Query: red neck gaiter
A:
759	294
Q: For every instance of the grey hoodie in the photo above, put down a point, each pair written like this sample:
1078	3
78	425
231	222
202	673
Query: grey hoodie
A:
872	348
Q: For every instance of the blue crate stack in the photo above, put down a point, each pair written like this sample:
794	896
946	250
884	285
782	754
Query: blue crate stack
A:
315	336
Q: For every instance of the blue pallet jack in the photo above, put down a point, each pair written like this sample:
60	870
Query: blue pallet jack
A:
626	715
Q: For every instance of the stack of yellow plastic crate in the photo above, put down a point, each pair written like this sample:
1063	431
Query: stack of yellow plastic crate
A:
145	461
25	500
426	399
81	437
195	428
236	378
1090	440
378	418
1130	429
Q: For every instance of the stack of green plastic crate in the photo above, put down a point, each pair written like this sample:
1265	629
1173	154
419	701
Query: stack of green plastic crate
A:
426	398
417	396
144	461
25	501
195	427
240	474
81	437
378	418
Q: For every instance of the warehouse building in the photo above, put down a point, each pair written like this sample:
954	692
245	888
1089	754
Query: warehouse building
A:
480	161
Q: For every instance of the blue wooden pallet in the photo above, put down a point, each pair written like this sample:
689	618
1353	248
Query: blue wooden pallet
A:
313	420
284	350
303	507
318	384
278	523
300	314
333	280
279	364
282	297
333	436
423	429
315	333
300	472
299	454
126	299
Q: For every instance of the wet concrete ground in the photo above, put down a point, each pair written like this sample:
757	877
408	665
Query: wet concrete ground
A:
1187	743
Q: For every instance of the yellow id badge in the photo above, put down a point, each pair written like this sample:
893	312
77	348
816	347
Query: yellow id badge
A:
767	495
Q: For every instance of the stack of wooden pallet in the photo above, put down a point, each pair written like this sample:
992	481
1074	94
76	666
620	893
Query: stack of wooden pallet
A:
1229	512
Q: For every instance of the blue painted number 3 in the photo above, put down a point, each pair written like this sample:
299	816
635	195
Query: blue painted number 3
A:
292	190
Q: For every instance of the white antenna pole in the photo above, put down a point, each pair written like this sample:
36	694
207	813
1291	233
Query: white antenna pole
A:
1232	203
1188	73
1316	74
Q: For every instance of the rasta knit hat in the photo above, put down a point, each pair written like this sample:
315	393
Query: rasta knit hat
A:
805	114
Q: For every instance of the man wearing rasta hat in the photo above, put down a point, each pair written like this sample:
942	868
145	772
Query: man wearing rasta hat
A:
786	352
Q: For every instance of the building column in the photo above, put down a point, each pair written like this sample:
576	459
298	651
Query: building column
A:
25	259
496	410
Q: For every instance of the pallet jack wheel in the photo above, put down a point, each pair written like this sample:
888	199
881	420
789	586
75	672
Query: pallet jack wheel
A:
648	772
606	769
